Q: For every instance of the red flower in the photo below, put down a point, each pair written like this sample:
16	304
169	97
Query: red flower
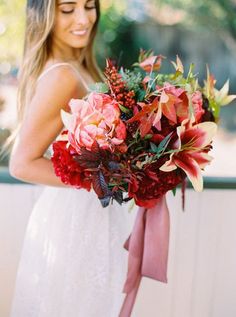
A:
148	185
67	168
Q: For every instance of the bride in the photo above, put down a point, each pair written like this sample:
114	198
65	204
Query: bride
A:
73	263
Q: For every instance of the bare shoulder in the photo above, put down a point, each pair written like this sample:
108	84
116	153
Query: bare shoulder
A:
60	84
42	120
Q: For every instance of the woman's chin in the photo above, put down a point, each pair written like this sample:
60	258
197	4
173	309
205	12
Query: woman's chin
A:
80	44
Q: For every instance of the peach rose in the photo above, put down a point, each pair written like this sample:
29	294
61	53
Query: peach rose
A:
96	118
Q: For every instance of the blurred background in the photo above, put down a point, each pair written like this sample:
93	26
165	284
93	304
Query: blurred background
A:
202	32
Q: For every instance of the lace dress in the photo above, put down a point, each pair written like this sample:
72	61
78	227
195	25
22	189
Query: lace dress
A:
73	263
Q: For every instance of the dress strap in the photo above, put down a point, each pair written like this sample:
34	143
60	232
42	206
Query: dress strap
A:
64	64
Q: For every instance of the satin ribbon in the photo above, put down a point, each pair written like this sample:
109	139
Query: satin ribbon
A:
148	247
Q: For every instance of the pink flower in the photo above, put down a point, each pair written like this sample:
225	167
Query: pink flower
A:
197	102
191	150
97	118
184	110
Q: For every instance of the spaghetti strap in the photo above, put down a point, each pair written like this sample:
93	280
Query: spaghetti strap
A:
63	64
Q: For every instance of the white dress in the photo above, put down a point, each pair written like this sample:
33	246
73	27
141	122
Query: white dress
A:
73	263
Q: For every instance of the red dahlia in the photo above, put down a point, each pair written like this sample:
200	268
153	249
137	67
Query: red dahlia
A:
67	168
148	185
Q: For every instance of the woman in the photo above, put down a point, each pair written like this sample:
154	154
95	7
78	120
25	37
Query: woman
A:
73	263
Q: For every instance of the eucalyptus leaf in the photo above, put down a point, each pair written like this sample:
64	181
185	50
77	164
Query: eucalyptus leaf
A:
154	148
99	88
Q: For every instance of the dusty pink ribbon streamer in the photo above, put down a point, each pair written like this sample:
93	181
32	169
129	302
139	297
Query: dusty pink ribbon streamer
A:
148	247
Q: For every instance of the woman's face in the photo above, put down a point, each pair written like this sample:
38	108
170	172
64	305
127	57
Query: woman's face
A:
74	22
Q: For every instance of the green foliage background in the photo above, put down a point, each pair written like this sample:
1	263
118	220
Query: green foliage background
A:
116	28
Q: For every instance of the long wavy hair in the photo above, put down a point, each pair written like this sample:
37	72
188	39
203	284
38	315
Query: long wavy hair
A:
40	17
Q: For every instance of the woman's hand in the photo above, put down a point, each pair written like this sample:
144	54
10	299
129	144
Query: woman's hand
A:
41	125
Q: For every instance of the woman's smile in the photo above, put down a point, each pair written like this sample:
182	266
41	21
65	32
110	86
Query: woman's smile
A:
80	32
74	23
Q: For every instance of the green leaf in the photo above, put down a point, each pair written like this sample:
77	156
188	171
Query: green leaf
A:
124	109
99	88
148	136
190	72
154	148
141	95
174	191
163	144
215	107
138	148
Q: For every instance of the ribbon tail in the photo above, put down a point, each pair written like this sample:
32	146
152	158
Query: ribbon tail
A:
148	247
156	244
134	244
129	300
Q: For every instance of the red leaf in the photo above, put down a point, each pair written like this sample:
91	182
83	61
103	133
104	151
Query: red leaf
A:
95	147
168	108
146	109
145	126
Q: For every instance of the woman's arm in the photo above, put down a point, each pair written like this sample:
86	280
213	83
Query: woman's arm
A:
41	126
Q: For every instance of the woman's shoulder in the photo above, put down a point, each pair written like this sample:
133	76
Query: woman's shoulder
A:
57	72
57	87
60	78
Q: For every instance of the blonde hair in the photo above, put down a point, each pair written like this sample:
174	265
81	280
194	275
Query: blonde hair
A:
40	17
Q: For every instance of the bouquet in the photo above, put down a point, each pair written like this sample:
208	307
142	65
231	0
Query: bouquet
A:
136	136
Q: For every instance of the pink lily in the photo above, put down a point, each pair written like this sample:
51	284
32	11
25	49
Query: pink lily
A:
191	150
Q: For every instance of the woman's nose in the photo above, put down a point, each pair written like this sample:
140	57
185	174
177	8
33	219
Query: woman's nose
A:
81	16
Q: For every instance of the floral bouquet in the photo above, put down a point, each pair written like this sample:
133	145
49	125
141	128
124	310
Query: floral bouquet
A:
139	135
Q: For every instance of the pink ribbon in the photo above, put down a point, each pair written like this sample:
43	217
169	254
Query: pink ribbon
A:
148	247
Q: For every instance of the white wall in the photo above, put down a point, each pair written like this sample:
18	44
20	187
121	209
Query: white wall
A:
202	258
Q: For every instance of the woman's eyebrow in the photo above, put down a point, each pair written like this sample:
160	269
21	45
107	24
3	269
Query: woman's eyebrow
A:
67	2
